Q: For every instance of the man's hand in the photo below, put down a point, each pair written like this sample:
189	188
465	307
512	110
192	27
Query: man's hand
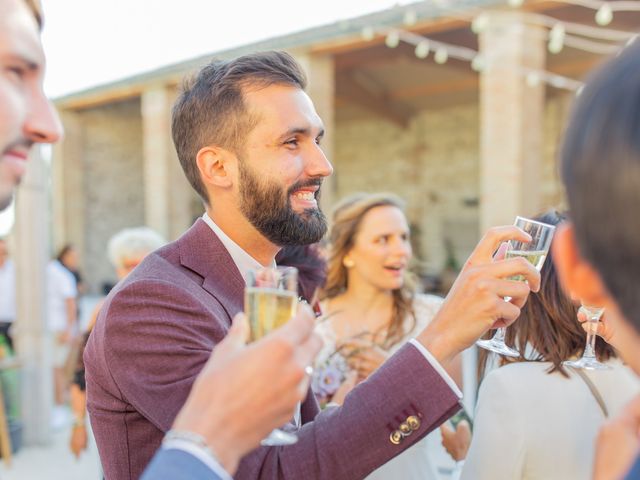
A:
476	302
244	392
618	444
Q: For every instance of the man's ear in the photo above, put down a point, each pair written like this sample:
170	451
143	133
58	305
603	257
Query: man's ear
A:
577	276
215	165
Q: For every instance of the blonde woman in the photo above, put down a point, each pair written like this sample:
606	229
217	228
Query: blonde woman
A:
371	308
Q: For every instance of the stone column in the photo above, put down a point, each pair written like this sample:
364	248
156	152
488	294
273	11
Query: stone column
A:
33	343
167	193
321	88
511	119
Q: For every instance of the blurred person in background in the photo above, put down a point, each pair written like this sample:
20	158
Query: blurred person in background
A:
62	320
126	249
371	308
533	407
7	293
68	258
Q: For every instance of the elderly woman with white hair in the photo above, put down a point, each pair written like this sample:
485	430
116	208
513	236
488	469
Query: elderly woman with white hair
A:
126	249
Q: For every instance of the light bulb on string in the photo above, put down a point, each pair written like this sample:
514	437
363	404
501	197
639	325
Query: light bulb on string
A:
516	3
604	15
556	38
368	33
392	40
480	23
533	79
422	49
478	63
410	18
441	56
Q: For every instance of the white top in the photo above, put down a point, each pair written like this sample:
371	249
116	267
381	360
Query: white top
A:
7	292
61	285
427	459
538	426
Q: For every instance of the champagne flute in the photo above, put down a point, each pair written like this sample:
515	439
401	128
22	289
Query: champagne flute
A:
535	252
589	360
270	301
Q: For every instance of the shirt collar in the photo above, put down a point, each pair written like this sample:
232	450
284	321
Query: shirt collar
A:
240	257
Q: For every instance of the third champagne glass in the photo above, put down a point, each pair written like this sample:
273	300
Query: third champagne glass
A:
589	360
270	300
535	252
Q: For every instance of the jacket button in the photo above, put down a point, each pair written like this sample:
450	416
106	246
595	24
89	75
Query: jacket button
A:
413	422
396	437
405	429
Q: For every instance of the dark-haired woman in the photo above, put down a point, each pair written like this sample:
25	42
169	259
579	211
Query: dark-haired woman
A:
536	419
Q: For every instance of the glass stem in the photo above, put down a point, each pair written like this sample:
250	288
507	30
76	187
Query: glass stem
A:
590	347
500	333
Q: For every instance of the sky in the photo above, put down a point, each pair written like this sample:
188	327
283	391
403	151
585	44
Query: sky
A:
91	42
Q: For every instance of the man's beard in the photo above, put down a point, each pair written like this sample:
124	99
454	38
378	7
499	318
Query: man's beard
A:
270	212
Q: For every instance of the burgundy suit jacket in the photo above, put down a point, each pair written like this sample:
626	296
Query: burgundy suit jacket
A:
156	331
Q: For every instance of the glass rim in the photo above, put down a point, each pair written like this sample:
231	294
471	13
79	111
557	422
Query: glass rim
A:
553	227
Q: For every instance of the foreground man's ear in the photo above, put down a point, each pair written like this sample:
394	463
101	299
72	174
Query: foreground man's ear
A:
578	278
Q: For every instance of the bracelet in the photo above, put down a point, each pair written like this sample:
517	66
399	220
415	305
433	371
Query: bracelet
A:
189	437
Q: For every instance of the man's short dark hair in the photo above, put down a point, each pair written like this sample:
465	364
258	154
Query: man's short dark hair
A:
600	164
211	110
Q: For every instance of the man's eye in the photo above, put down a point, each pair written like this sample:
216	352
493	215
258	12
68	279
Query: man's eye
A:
17	72
293	142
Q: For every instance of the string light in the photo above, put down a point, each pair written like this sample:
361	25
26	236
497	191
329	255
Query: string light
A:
441	56
393	39
368	33
516	3
556	38
604	15
478	63
480	23
533	79
422	49
410	18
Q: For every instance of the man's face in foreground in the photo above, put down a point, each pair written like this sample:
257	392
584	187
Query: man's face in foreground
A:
26	116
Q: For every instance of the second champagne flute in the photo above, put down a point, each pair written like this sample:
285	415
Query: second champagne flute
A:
589	360
270	301
535	252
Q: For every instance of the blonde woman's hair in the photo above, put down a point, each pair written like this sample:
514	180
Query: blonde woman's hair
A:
347	217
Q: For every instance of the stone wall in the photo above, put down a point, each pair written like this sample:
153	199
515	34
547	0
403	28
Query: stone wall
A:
433	165
112	139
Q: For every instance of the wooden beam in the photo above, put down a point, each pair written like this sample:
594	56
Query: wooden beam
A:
427	89
349	89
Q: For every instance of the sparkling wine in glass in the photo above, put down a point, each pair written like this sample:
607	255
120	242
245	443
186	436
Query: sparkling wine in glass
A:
535	252
589	360
270	301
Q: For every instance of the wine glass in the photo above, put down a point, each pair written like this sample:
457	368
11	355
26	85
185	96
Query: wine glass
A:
535	252
589	360
270	301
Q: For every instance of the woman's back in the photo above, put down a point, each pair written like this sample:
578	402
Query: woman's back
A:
533	425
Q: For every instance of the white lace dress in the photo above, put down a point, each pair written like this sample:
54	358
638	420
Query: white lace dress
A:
426	460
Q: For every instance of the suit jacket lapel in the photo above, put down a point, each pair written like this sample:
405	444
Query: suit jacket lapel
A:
202	252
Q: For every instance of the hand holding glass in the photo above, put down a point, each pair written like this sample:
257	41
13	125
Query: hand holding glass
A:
589	360
270	301
535	252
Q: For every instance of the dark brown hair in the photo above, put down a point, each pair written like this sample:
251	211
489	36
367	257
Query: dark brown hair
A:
347	217
211	110
600	166
548	321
